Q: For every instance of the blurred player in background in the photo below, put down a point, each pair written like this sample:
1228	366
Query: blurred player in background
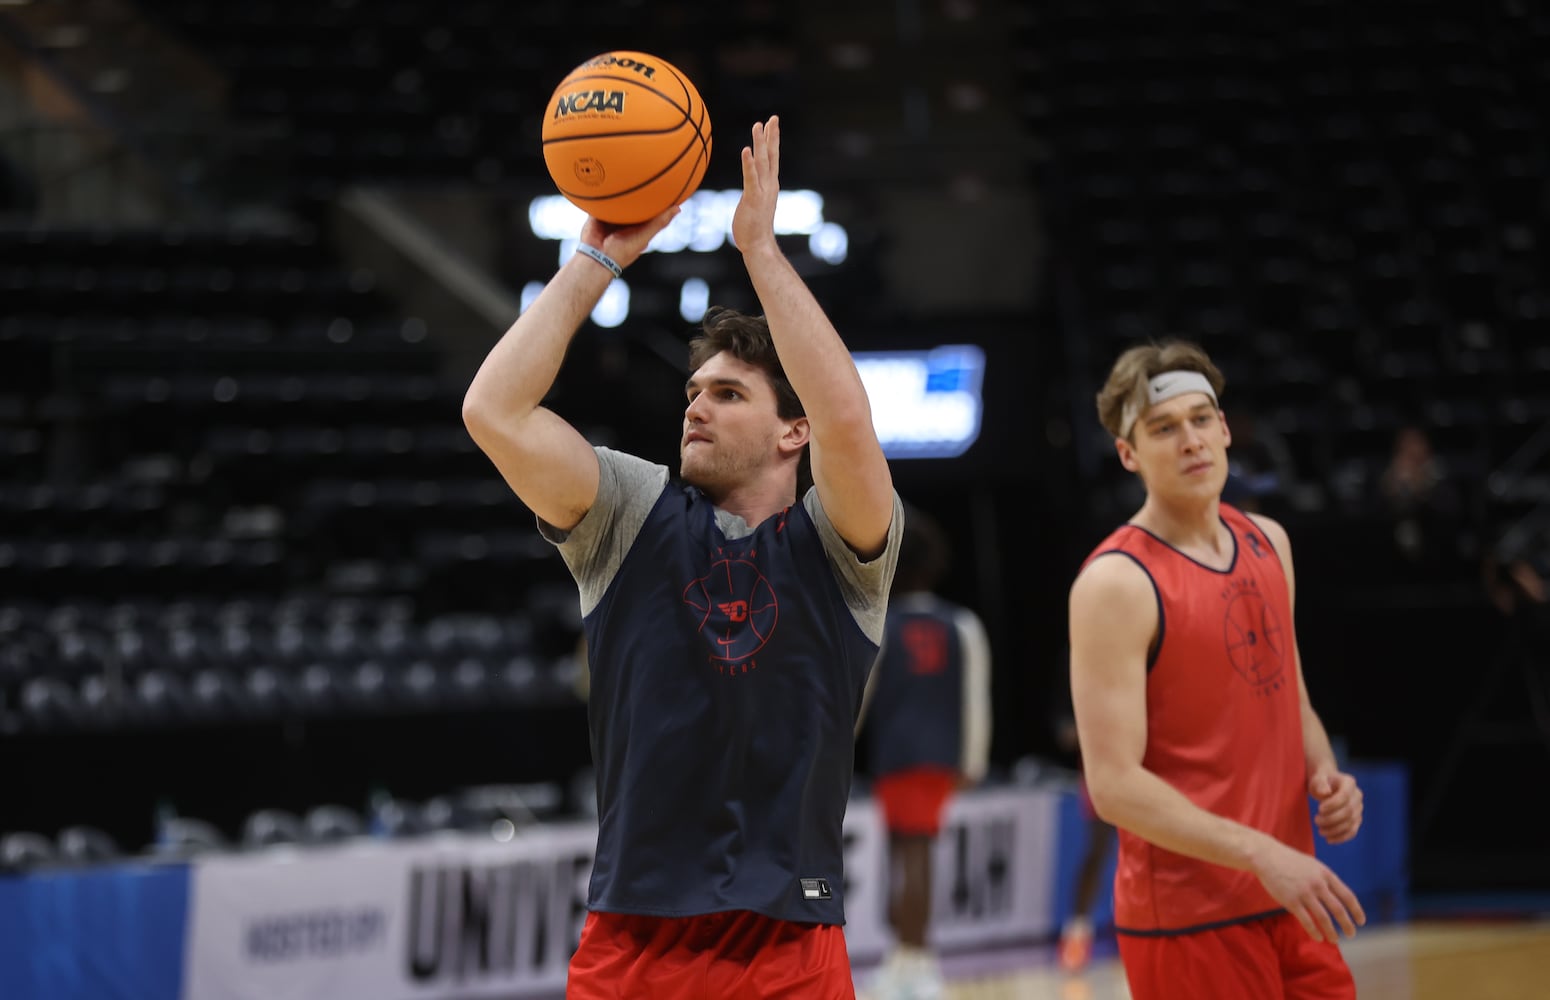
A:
730	623
1198	738
1077	931
928	727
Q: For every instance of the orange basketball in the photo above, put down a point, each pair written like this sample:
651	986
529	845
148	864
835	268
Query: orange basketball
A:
626	137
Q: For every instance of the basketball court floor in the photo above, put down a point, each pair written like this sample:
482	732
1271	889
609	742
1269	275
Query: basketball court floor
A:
1418	961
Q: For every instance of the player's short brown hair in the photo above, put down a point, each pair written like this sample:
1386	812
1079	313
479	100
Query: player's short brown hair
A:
1127	383
746	338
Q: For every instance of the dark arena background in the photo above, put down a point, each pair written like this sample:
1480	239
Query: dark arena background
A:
265	608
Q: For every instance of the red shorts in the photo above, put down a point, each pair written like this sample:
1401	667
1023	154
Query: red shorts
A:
714	956
913	801
1273	957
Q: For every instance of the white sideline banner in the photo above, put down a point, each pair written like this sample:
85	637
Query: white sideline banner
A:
993	872
464	917
459	917
994	869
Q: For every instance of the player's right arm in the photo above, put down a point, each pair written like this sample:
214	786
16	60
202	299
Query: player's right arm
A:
1113	622
546	461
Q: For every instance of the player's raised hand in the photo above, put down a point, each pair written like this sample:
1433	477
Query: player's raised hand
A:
753	224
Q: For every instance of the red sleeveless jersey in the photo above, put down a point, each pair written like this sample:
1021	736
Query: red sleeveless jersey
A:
1223	724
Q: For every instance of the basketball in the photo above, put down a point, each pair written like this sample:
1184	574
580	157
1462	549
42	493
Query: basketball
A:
626	137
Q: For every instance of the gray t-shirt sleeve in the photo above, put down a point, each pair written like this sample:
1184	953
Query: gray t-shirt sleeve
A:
864	584
627	489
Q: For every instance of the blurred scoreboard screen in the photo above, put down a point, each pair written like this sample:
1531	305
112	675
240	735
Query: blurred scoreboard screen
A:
926	403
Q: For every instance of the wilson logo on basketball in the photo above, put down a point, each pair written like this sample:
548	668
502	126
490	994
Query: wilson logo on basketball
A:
581	101
626	63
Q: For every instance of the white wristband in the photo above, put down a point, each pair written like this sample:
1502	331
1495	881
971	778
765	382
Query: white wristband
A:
601	257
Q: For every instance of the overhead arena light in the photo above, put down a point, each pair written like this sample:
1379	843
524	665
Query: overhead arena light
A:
703	225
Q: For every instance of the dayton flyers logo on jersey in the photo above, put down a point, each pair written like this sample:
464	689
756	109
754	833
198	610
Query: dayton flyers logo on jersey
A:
735	610
1254	636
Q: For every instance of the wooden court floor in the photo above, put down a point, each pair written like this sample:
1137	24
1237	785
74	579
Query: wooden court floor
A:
1421	961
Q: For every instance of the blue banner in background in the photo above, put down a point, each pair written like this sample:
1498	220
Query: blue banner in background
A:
1376	865
1075	828
105	934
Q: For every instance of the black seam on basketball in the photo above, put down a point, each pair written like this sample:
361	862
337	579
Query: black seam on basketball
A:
688	104
699	126
629	79
678	199
688	101
648	181
704	114
689	178
611	135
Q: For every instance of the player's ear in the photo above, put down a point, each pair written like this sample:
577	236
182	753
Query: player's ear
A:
1221	415
1127	455
796	435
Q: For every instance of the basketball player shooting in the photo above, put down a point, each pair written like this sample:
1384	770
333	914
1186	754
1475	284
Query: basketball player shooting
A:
730	623
1198	738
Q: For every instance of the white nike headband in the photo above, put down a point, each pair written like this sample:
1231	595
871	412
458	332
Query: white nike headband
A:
1160	388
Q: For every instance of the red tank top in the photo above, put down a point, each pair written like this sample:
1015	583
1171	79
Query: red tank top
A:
1223	724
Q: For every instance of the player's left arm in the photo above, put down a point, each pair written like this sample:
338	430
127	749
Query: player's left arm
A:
849	469
1338	795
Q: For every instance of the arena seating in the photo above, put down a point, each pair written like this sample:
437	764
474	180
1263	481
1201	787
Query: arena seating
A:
419	91
233	473
236	499
1347	205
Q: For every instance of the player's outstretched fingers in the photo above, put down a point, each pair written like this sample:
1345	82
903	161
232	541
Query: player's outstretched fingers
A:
772	133
750	176
1326	923
1332	905
1303	917
1350	902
